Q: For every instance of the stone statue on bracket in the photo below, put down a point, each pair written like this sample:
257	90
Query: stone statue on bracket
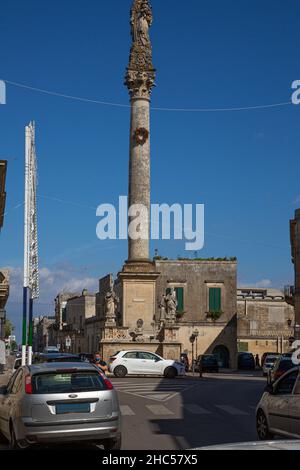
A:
111	305
162	310
171	306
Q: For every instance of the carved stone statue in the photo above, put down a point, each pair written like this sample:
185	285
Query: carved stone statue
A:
172	304
162	308
141	20
111	304
140	76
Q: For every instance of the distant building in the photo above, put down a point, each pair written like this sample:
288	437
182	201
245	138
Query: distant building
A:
4	275
41	329
265	321
295	247
3	169
78	309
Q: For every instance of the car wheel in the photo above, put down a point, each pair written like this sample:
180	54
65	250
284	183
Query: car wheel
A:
120	372
170	373
113	444
14	444
262	427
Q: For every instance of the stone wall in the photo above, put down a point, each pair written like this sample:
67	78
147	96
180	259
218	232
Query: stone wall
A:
265	321
196	278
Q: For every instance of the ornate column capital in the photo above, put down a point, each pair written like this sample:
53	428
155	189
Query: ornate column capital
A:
140	75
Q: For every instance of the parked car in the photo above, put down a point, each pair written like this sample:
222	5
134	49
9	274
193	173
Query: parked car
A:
246	361
269	363
143	363
278	412
87	357
51	350
60	402
267	354
60	357
281	366
207	363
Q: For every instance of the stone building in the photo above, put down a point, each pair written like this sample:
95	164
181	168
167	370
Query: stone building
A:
265	321
206	297
3	169
4	274
41	330
77	310
294	295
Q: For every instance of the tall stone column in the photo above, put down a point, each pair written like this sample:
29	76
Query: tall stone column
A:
139	79
138	277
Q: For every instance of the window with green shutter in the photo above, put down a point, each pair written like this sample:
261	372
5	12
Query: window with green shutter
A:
215	300
180	298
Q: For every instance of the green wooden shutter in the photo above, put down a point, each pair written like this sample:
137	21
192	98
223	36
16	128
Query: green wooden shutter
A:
180	299
215	299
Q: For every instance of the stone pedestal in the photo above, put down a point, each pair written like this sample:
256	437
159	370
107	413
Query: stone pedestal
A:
138	282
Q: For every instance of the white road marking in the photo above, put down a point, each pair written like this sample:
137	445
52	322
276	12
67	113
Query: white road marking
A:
126	410
196	409
161	391
159	410
232	410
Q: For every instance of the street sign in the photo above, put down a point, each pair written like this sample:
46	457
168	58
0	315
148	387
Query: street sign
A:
2	352
68	342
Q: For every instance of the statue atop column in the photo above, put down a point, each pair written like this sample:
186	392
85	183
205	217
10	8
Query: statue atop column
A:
140	74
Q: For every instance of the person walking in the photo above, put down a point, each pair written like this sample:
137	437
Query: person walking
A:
257	361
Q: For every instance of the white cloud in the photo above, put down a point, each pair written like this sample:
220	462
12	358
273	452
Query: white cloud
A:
64	278
263	284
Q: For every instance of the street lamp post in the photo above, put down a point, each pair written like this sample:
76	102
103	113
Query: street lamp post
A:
192	341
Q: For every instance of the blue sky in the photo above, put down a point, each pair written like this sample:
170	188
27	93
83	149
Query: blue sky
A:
244	166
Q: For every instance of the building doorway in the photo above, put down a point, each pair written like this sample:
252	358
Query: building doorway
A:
223	356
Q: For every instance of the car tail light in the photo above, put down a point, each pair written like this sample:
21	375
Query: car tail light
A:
112	359
28	385
108	383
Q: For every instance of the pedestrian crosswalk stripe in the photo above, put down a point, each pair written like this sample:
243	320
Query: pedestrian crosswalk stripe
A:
232	410
196	409
159	410
153	391
126	410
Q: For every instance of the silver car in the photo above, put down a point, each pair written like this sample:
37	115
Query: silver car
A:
278	412
53	403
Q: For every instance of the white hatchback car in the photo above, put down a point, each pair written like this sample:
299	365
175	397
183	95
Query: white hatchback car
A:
144	363
278	412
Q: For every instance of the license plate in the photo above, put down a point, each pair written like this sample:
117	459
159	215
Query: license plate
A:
65	408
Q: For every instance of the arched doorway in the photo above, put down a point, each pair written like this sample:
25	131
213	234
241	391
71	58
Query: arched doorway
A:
223	356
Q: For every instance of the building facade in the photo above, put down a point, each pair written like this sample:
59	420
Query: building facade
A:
77	310
265	321
295	248
4	274
42	328
206	298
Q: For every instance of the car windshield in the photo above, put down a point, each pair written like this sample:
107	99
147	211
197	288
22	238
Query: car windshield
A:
67	382
271	360
209	359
